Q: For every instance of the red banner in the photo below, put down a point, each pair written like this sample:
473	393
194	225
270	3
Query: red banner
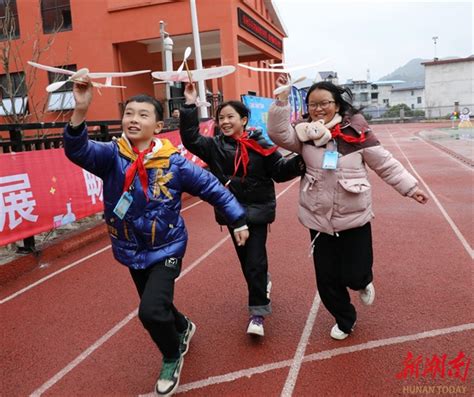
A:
42	190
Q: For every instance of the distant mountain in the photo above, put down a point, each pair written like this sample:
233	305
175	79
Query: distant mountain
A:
412	72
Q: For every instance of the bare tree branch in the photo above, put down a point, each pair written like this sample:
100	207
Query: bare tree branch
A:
18	80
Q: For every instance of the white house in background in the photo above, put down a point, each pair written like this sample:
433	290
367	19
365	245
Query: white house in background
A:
374	97
382	92
449	85
329	76
411	94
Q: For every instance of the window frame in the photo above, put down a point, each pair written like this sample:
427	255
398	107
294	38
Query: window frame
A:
13	15
60	23
19	97
62	98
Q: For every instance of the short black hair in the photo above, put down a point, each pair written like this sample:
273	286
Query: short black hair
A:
238	106
144	98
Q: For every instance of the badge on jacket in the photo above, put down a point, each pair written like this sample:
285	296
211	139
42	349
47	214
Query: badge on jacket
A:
330	159
123	205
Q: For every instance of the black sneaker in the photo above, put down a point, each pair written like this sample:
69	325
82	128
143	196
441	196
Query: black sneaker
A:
168	381
185	337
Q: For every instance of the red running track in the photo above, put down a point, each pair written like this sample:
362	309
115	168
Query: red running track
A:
77	334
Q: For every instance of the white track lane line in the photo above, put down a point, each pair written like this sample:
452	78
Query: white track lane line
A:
300	350
442	152
67	267
451	223
249	372
79	359
41	281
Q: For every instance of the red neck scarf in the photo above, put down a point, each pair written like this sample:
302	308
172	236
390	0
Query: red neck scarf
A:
336	132
138	165
242	155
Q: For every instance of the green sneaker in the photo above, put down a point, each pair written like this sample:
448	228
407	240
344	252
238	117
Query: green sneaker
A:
168	381
185	337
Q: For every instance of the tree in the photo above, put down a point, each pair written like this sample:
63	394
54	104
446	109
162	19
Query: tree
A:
15	84
394	111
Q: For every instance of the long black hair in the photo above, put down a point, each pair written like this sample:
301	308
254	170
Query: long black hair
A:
238	106
342	96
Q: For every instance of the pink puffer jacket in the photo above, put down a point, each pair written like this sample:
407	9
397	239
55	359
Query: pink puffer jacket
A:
335	200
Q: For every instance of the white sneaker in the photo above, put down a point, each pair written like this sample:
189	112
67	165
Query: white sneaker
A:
256	326
336	333
367	295
269	288
168	381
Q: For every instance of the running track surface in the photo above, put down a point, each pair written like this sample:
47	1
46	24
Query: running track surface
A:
77	334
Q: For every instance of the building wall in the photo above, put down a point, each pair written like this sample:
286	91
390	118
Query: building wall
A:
447	83
107	35
414	99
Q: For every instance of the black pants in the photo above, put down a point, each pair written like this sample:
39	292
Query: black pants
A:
342	262
155	286
254	264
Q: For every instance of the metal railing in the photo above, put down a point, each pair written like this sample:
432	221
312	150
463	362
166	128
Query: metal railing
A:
21	141
214	99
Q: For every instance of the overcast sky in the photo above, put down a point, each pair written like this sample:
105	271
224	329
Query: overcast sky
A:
375	35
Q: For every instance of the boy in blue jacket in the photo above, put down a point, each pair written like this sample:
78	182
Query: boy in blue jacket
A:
143	179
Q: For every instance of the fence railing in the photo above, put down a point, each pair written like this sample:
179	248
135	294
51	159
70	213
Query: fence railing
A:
214	99
21	141
417	113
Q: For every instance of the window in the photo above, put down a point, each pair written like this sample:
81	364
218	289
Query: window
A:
418	100
385	101
9	25
364	97
412	93
374	95
56	15
412	106
62	98
13	94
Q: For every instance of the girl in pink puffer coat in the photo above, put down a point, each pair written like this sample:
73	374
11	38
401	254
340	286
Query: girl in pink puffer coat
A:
335	202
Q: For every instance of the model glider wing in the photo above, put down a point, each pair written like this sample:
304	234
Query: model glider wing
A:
275	69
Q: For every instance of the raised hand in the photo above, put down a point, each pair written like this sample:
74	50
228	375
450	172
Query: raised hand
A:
82	91
283	81
190	94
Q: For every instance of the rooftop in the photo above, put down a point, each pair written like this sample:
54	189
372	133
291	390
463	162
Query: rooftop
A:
446	61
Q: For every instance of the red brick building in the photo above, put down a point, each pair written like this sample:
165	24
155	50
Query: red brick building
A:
124	35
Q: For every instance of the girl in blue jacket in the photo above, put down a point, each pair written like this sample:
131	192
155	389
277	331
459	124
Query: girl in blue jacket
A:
143	179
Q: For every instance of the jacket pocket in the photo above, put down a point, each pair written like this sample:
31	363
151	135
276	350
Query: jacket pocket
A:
353	195
311	186
356	185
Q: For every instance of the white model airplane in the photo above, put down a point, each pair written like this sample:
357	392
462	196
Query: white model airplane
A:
81	73
187	75
282	68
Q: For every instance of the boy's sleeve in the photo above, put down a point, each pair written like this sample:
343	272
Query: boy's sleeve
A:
282	169
95	157
199	182
191	138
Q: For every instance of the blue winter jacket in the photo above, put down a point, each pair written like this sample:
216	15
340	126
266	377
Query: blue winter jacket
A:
152	230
